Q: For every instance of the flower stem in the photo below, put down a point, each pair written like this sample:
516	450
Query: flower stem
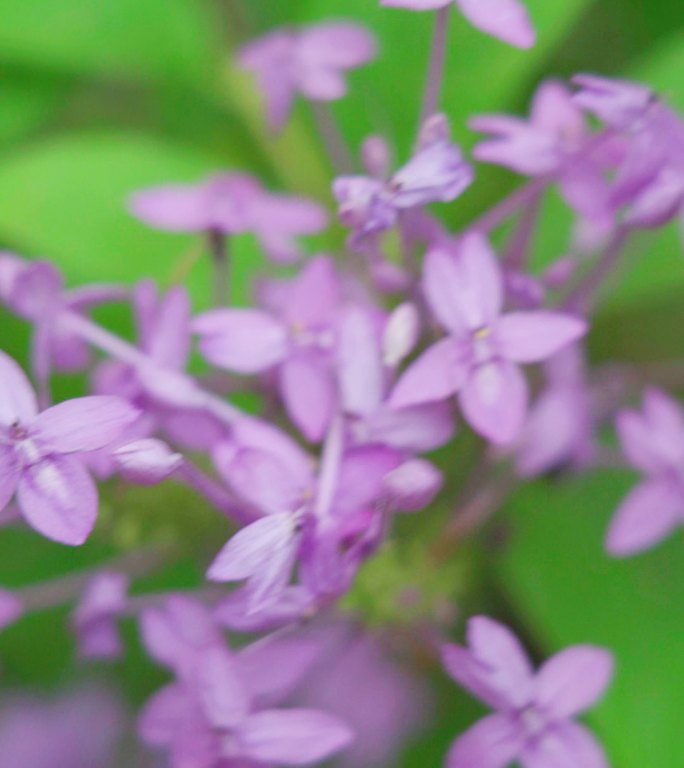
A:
435	77
220	253
518	253
333	139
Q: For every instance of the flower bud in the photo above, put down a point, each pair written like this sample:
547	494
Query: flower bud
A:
376	157
146	462
401	334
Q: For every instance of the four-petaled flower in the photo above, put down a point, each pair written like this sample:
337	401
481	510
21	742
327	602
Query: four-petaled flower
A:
533	712
479	358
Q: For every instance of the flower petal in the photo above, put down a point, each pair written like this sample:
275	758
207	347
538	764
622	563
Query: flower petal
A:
529	337
442	281
9	474
314	296
649	512
567	745
493	742
308	389
420	428
169	342
494	401
505	19
243	340
360	370
59	499
173	207
17	398
219	687
573	680
85	423
436	375
293	737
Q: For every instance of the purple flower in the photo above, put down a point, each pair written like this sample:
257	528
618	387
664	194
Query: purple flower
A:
653	442
94	620
533	712
479	360
39	454
436	173
507	20
310	60
231	203
212	716
553	142
297	340
319	520
617	103
146	462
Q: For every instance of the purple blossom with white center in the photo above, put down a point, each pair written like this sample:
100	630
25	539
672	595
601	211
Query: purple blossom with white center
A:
210	717
297	340
533	721
653	442
94	620
232	204
311	61
319	519
507	20
368	206
554	142
479	359
39	454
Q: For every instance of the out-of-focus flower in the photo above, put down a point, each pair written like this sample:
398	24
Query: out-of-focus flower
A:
94	620
215	714
533	720
11	608
479	360
653	442
231	204
311	61
146	462
436	173
79	730
39	454
554	143
298	340
507	20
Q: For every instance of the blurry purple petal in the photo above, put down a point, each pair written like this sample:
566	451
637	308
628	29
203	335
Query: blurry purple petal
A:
169	345
360	371
341	45
11	608
169	709
59	499
17	399
418	428
506	19
567	745
85	423
243	340
649	512
313	297
308	389
146	462
361	477
529	337
294	603
220	688
573	680
493	742
494	401
478	290
173	207
442	283
413	485
401	334
436	375
9	473
293	737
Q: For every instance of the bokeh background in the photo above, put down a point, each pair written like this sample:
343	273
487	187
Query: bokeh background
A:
101	97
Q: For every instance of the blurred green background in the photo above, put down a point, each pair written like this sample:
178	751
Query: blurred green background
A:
101	97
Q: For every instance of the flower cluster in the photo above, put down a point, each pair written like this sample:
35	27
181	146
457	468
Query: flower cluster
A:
358	367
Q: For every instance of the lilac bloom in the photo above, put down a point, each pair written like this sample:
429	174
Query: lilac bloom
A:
310	60
11	608
436	173
302	514
533	720
297	341
79	730
653	442
479	359
211	716
35	290
39	454
365	383
553	142
506	20
231	204
94	620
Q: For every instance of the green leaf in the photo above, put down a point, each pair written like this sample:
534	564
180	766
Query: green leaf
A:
171	39
567	590
26	103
